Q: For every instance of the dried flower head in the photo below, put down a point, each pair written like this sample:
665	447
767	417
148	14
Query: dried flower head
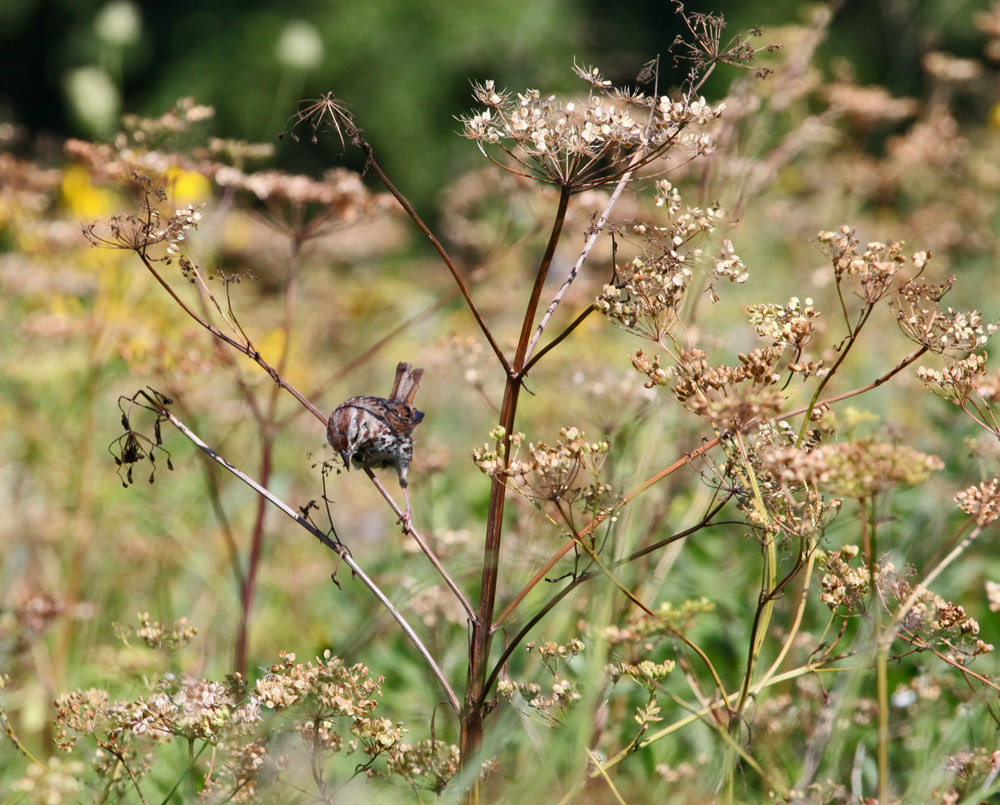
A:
870	272
787	326
982	502
921	318
551	473
427	764
856	470
958	381
704	48
584	144
847	586
646	294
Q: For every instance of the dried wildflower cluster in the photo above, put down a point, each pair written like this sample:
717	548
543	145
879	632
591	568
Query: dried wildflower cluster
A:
929	622
733	398
646	294
586	144
646	673
856	470
704	48
870	273
181	707
326	700
26	189
632	644
157	635
848	587
427	764
939	330
958	382
139	232
552	473
956	334
146	145
934	623
791	326
981	502
340	192
325	694
553	708
150	148
793	511
977	769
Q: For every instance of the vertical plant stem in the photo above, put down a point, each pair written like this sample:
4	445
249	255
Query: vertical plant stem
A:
479	649
266	426
882	681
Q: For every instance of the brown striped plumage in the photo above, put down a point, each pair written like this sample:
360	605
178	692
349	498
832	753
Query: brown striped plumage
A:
375	432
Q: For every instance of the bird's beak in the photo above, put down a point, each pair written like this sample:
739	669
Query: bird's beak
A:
344	454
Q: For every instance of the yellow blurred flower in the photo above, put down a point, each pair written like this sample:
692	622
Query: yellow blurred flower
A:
83	200
187	187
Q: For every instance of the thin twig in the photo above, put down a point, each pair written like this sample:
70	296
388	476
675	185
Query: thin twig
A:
550	604
426	549
334	546
251	353
370	156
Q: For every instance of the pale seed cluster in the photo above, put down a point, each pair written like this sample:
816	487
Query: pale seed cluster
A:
932	622
958	381
585	144
157	635
792	325
646	673
138	232
848	587
921	318
982	502
327	698
871	272
551	708
551	473
427	764
646	294
855	470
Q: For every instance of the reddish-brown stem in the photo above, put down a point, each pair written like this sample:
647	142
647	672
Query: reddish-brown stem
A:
596	522
558	339
909	359
267	429
343	554
705	522
253	563
479	649
370	156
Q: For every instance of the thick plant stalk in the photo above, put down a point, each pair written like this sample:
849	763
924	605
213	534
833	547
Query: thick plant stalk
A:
475	691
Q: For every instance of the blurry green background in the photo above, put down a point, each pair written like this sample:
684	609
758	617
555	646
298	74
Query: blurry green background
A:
71	67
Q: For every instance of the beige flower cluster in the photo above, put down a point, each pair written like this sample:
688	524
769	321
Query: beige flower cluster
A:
585	144
551	472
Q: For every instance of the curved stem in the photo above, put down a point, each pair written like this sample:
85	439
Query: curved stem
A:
251	353
370	156
336	547
559	338
428	552
550	604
